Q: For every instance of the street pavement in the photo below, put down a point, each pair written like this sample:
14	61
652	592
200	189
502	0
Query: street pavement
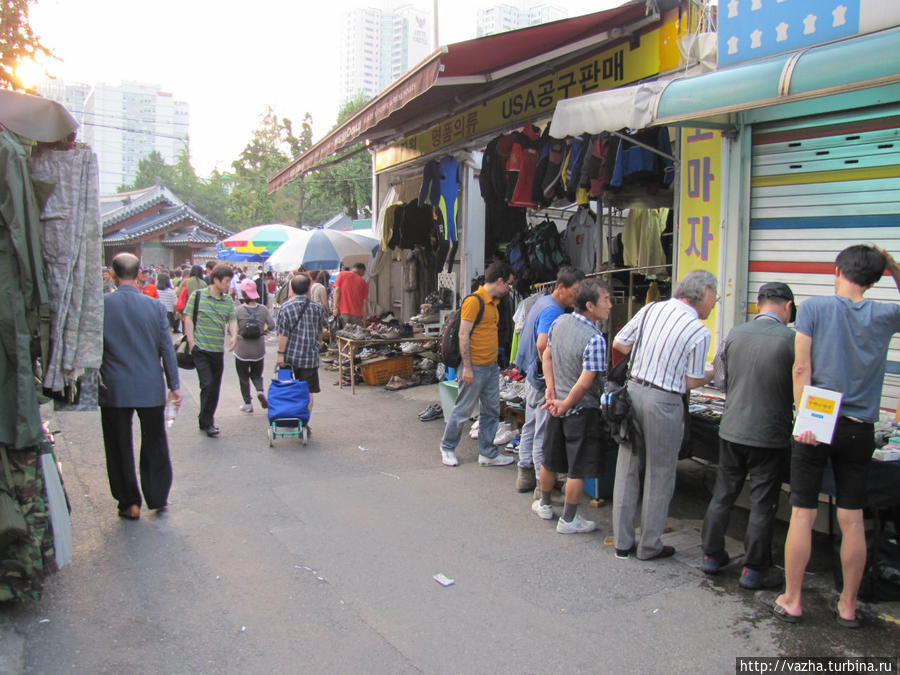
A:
320	559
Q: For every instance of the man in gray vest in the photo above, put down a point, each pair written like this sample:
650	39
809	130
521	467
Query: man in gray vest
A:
753	367
574	363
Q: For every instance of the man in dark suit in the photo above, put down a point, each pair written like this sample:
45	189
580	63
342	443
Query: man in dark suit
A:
135	338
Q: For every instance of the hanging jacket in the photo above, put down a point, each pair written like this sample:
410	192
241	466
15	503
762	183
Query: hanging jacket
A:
572	171
430	192
521	167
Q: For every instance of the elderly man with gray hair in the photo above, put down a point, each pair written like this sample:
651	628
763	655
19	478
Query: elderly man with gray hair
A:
669	359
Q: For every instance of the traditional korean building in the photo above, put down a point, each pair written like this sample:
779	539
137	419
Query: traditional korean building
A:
156	226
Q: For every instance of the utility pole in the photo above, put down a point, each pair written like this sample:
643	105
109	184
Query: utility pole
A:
437	42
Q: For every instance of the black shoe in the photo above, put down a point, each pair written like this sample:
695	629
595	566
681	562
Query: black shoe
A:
212	431
625	553
665	552
262	400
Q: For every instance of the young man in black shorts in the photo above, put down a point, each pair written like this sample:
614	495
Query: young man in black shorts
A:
574	363
841	345
300	323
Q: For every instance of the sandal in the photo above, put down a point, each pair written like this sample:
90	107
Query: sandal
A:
855	622
768	600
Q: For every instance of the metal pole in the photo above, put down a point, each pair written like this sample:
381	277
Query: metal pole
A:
437	42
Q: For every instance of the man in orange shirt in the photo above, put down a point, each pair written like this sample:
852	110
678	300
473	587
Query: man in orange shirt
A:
145	283
350	294
479	380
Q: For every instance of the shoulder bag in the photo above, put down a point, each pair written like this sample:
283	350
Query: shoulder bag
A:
616	403
182	355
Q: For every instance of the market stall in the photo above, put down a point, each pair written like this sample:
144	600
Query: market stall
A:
52	327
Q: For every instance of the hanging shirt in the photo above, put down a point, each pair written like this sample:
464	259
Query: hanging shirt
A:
583	240
641	238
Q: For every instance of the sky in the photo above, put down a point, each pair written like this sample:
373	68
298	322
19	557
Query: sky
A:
227	59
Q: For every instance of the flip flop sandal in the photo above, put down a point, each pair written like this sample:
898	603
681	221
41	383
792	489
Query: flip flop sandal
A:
768	601
855	622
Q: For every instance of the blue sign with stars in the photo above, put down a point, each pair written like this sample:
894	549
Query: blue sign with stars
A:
752	29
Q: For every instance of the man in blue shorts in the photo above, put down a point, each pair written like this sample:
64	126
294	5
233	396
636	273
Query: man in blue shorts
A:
841	345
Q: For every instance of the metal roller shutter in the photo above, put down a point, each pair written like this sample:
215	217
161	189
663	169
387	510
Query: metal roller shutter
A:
817	187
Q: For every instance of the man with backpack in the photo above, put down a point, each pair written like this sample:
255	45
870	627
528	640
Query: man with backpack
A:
479	372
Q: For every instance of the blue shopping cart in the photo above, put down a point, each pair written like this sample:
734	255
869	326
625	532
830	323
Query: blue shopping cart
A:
288	407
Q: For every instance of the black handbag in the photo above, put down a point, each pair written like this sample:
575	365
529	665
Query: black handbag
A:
617	407
182	355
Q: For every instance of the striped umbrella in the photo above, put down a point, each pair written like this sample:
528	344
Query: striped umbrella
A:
318	250
260	239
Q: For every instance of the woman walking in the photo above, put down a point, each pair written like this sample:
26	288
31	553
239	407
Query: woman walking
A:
254	321
167	297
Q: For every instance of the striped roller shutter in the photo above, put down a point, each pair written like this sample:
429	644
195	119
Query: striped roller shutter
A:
816	189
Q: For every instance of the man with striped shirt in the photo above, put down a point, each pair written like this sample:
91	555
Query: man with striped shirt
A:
669	361
206	341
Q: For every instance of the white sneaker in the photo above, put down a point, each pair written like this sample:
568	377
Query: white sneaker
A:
473	432
544	511
247	407
448	458
578	525
499	460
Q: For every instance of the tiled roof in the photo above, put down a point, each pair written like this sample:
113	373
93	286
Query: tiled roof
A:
117	207
162	220
190	235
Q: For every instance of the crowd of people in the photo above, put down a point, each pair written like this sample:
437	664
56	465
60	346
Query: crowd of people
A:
838	343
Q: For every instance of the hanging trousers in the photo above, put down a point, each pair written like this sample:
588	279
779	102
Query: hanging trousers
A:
155	465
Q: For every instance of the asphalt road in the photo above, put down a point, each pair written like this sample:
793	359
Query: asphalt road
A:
320	559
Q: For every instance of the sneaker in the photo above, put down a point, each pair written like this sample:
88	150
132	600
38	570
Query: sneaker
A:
664	552
578	525
525	481
499	460
505	433
247	408
754	580
262	400
713	563
473	432
448	458
544	511
625	553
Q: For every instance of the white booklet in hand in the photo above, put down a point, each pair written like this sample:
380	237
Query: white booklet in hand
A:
818	413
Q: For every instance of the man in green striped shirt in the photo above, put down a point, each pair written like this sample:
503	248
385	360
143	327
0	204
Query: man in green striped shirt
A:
206	340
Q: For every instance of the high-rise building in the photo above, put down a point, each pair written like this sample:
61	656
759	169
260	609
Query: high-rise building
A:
502	17
123	124
379	45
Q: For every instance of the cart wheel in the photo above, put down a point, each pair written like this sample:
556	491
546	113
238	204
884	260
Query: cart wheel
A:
270	435
304	436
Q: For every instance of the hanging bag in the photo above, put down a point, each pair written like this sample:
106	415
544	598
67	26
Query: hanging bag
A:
616	403
182	355
12	522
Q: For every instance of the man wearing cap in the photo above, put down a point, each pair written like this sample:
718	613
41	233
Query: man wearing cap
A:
753	367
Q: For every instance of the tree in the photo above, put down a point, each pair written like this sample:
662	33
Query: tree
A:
348	184
150	169
267	151
18	42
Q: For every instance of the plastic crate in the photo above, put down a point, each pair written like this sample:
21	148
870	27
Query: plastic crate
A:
376	373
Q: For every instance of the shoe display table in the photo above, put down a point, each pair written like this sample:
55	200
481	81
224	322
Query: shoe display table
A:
347	347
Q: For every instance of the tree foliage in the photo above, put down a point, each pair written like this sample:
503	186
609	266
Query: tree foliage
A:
18	42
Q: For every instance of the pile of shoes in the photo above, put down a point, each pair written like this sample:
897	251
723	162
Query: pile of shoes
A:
432	412
514	393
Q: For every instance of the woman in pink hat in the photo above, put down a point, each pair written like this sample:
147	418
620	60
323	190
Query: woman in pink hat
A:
254	321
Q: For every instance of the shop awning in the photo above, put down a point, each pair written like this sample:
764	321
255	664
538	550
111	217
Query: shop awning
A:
460	74
845	66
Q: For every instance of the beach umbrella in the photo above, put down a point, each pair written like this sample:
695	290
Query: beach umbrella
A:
318	250
366	237
234	255
260	238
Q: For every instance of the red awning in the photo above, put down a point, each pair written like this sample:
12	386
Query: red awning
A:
459	73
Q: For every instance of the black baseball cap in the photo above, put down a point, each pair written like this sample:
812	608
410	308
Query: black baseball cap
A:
776	289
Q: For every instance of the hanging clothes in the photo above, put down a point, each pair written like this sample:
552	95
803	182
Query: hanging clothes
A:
72	249
641	239
636	164
584	245
448	203
24	315
430	192
521	168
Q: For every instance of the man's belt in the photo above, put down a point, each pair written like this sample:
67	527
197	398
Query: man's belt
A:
644	383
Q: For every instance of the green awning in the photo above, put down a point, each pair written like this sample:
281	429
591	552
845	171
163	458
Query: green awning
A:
845	66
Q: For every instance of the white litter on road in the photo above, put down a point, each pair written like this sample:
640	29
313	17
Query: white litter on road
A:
443	579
